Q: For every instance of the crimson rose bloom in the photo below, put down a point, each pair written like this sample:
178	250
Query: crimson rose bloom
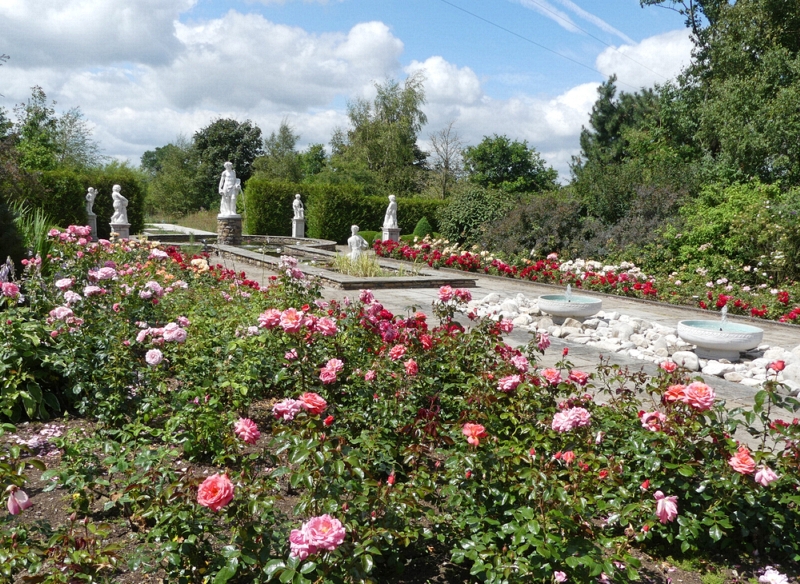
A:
215	492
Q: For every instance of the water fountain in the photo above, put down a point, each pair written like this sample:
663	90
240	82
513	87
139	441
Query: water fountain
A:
720	339
568	305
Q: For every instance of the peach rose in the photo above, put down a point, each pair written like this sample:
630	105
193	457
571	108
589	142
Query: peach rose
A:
215	492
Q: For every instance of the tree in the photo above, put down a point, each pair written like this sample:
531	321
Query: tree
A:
514	167
380	149
173	188
447	159
281	160
74	146
313	161
221	141
36	129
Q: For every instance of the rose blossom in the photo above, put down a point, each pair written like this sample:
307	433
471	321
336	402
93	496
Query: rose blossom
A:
290	355
509	383
326	327
215	492
571	419
411	367
506	326
247	430
9	289
578	377
559	576
173	333
291	320
270	318
71	297
397	352
463	295
520	362
93	291
313	403
18	500
64	284
653	420
153	357
287	409
777	365
668	366
318	533
474	433
699	396
543	341
675	393
553	376
366	296
446	293
772	576
568	457
742	462
666	508
765	476
370	375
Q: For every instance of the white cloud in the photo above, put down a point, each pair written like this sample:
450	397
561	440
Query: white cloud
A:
654	60
445	83
78	33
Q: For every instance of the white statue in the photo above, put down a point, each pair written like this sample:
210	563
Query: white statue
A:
390	220
120	206
229	188
90	197
356	243
297	205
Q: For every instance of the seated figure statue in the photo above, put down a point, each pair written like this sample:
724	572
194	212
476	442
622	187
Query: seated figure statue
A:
356	243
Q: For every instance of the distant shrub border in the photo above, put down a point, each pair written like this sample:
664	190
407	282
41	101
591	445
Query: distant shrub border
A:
693	289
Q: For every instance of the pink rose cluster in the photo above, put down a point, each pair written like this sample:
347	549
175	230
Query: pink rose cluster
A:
447	293
509	383
570	419
171	333
697	395
318	533
104	273
73	233
288	408
329	371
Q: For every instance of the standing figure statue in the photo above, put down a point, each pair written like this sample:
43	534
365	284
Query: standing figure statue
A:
90	197
120	215
390	220
356	243
229	188
297	205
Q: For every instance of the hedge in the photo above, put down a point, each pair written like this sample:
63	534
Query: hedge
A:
330	209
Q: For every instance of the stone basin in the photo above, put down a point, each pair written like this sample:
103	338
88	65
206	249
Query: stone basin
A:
715	340
577	307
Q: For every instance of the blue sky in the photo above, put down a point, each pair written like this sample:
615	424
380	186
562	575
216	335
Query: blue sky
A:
146	71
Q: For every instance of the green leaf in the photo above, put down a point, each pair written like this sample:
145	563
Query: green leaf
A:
686	470
273	566
308	567
367	563
715	532
225	574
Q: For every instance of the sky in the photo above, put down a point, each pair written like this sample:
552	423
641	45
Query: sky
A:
145	72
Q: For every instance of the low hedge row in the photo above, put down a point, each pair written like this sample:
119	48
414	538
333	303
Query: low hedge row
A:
330	209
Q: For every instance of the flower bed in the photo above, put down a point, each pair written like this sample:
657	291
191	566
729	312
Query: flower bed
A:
237	433
755	295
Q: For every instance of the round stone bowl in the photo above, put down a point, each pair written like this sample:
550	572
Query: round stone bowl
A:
717	341
578	307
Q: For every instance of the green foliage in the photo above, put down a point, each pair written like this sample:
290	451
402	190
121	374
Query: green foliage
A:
33	226
36	127
224	140
11	242
61	195
469	210
511	166
269	206
173	187
281	161
423	228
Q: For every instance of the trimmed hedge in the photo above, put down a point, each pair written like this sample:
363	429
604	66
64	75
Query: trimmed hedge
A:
60	193
330	209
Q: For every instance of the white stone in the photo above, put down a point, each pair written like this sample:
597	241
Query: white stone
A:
622	331
509	305
612	316
751	382
523	320
733	376
591	323
792	372
492	298
662	352
687	359
717	369
544	323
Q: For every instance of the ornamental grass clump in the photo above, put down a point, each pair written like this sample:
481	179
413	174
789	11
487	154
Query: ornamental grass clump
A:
283	437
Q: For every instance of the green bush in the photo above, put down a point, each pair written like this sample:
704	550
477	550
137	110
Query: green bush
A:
423	228
268	206
370	236
10	240
468	211
61	197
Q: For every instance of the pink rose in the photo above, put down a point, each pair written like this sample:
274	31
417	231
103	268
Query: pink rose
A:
298	546
506	326
153	357
18	500
666	508
247	430
653	421
287	409
9	289
742	462
463	295
370	375
318	533
215	492
543	341
397	352
668	366
335	365
699	396
290	355
520	363
366	296
446	293
411	367
777	365
675	393
571	419
291	320
327	376
93	291
313	403
765	476
474	433
553	376
64	284
326	327
559	576
509	383
578	377
174	334
270	318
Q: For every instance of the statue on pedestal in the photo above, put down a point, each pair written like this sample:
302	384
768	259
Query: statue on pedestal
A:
356	243
90	197
390	219
120	206
229	188
297	206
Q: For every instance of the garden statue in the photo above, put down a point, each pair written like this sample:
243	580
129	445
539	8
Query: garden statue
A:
229	188
356	243
390	220
120	215
297	205
90	197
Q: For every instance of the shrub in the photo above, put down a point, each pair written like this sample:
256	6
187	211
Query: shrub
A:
268	206
10	240
423	228
61	197
468	211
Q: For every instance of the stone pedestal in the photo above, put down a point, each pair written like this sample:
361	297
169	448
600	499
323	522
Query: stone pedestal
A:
298	228
93	225
392	233
229	229
121	229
